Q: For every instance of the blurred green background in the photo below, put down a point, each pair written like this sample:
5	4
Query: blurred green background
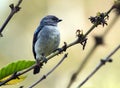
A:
17	41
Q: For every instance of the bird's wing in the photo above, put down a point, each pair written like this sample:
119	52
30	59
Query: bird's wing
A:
35	39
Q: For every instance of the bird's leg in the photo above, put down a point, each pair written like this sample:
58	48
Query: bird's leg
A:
44	58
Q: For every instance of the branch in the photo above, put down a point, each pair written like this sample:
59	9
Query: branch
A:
99	40
44	76
78	40
102	62
14	9
81	39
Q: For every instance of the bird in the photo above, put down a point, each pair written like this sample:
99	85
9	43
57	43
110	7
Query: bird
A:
46	39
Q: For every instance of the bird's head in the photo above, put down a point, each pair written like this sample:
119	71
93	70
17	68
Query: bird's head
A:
50	20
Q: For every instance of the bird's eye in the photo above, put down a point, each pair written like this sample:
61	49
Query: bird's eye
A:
55	19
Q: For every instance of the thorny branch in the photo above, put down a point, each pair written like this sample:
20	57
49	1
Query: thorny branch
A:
102	62
99	19
81	38
14	9
99	40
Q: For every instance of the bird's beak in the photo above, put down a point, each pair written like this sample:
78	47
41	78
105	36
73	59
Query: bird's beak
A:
59	20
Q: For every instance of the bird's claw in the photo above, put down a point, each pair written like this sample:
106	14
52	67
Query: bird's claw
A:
44	58
63	48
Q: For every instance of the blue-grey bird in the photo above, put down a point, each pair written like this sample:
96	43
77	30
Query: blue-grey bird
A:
46	39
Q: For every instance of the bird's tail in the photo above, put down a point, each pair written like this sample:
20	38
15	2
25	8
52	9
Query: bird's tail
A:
36	69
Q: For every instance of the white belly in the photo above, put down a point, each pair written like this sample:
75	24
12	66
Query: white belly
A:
48	41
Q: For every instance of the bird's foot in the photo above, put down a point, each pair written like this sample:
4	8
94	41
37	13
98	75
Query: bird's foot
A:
64	47
44	58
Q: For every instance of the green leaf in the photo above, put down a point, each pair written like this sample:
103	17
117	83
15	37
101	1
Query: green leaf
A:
15	67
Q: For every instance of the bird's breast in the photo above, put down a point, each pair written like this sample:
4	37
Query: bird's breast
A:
48	40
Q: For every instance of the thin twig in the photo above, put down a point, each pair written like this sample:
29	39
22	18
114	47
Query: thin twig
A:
44	76
77	41
85	60
95	25
14	9
115	19
102	62
80	68
84	36
48	58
